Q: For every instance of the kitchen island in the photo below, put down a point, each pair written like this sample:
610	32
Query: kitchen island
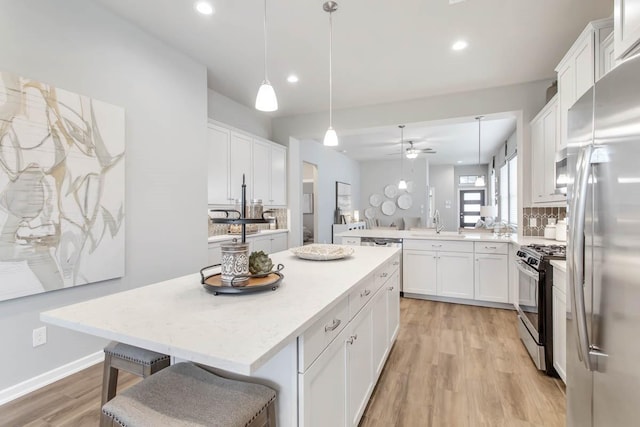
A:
278	338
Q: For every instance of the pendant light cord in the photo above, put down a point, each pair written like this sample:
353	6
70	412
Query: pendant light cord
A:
479	119
265	40
330	70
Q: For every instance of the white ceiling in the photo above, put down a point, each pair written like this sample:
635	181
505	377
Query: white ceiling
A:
455	141
383	51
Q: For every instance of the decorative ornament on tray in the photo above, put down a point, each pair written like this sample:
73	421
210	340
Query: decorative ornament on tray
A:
322	252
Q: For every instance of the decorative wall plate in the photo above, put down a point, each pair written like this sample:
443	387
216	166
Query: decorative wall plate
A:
405	201
410	187
390	191
388	208
375	200
322	252
370	213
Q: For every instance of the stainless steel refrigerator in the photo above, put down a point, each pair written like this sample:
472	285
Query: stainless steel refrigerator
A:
603	253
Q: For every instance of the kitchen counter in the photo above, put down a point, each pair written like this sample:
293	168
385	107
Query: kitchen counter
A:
559	264
226	237
446	235
236	333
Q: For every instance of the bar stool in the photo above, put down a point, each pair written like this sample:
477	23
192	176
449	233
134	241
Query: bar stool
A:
187	395
135	360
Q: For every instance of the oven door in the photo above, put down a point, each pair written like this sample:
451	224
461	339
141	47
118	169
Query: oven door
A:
529	282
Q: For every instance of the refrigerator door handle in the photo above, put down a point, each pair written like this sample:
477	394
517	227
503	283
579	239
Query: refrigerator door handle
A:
586	352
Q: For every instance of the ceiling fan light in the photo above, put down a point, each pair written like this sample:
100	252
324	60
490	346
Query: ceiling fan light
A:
412	154
402	185
330	138
266	99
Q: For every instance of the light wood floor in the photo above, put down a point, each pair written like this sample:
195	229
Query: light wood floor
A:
456	365
453	365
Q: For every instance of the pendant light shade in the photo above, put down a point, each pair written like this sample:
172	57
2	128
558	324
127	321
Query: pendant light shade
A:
266	99
402	185
480	180
331	137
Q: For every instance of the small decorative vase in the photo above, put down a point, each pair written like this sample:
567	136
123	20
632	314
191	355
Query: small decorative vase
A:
235	262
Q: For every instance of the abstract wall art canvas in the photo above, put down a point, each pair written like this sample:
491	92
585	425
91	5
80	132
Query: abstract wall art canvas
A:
61	188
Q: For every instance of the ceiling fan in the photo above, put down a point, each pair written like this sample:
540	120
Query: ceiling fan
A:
412	152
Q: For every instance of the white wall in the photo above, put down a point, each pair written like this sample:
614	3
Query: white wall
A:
79	46
230	112
375	175
332	166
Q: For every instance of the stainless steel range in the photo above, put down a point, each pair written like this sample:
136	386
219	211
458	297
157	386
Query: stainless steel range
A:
535	318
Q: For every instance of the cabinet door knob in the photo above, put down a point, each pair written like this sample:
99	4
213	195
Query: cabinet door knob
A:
350	340
396	263
390	288
333	326
366	293
384	274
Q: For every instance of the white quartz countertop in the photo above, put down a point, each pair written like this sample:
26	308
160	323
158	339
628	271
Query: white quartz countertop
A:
559	264
446	235
237	333
225	237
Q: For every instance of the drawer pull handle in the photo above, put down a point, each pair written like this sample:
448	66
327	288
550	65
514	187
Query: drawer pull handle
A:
396	263
333	326
436	246
365	293
384	274
491	247
390	288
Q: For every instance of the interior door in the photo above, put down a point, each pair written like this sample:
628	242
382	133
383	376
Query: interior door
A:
470	202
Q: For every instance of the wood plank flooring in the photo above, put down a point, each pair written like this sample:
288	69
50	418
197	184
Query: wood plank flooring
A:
457	365
453	365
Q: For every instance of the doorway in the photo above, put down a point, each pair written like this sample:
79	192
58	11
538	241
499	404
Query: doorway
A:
470	202
309	203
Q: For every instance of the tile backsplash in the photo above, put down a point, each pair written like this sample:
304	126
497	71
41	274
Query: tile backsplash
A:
541	216
281	221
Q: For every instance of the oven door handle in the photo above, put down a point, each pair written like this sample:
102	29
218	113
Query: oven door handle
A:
525	269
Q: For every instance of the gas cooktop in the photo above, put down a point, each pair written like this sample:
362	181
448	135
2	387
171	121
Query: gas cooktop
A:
540	252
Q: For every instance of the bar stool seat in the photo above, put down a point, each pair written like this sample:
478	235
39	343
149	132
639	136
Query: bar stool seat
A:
135	360
188	396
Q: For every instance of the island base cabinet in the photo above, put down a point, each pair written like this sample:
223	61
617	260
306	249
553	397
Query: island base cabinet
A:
419	271
392	288
492	278
323	387
380	337
359	366
455	274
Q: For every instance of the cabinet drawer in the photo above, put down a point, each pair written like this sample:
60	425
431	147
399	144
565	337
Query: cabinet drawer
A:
355	241
438	245
361	294
491	248
318	336
385	272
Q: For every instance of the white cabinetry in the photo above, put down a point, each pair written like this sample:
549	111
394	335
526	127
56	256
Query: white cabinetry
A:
492	272
577	72
219	140
626	14
544	144
353	241
269	243
455	274
359	365
233	154
419	271
560	323
269	173
392	288
608	59
379	318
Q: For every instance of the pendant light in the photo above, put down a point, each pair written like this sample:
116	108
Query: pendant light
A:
402	185
480	180
331	137
266	99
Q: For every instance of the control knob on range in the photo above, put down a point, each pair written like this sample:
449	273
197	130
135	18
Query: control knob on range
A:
532	261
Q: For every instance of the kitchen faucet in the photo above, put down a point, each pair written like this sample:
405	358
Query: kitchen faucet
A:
436	219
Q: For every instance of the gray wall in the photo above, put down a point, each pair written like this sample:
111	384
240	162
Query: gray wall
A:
375	175
442	180
79	46
229	112
332	167
307	219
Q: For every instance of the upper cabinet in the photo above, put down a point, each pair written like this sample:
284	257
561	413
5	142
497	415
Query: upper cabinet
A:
579	70
626	14
544	144
233	154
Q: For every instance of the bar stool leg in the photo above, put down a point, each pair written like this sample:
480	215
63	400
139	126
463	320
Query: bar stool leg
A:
109	380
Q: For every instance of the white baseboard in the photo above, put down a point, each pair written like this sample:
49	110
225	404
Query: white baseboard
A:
32	384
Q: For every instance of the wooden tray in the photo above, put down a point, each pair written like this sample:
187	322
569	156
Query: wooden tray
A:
255	283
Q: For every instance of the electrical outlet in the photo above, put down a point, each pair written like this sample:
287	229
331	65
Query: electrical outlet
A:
533	222
39	336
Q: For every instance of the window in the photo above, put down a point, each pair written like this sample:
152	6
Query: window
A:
470	202
467	179
508	196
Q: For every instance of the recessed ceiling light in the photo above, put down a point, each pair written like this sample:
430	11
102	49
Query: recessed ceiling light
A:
460	45
293	78
459	161
204	7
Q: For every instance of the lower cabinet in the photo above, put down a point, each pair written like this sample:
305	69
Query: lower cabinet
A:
335	388
560	323
419	271
455	274
323	387
359	364
492	278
